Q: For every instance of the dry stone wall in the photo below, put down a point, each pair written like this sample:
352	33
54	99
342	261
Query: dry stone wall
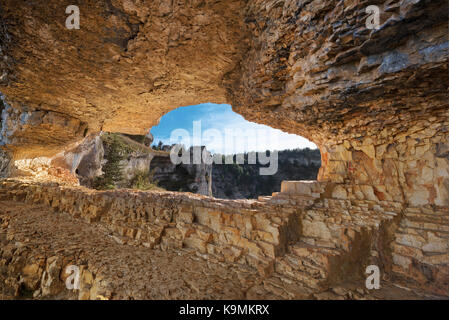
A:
375	101
232	230
312	233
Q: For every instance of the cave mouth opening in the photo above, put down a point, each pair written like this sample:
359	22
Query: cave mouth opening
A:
206	149
216	152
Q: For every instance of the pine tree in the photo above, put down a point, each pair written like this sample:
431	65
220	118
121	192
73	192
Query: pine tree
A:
113	168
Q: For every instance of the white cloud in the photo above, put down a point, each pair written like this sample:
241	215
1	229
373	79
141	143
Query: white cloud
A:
223	121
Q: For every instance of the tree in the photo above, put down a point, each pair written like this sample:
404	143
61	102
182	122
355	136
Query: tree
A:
113	168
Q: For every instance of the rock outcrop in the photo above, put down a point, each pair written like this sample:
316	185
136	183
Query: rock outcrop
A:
87	160
375	101
243	181
297	240
183	177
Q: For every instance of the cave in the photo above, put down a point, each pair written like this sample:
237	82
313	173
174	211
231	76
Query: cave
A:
238	150
374	101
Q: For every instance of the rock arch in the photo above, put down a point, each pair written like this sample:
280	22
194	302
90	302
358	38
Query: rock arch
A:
374	101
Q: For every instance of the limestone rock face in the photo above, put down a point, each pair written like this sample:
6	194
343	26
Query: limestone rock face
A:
240	181
374	101
195	176
5	164
84	161
28	133
128	64
91	162
315	65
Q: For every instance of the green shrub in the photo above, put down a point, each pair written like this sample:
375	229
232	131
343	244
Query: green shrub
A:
144	180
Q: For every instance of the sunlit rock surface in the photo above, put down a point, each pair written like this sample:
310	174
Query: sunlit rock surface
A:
374	101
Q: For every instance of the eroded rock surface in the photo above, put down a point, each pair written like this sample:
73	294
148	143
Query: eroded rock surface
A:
34	258
127	58
297	243
374	101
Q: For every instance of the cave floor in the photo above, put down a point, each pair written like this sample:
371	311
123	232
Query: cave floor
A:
34	234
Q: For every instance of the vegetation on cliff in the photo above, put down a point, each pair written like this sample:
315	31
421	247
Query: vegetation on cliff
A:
117	149
144	180
238	181
235	181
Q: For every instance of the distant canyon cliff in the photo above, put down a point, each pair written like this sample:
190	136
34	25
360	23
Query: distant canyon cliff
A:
238	181
114	161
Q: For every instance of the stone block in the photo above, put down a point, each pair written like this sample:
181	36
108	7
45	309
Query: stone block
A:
339	192
403	262
306	188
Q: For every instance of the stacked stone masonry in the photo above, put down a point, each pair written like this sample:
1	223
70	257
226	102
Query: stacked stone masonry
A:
375	101
306	239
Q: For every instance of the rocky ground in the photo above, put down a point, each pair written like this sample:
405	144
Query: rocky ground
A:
33	236
375	102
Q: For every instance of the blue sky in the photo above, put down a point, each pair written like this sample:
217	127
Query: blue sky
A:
222	130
